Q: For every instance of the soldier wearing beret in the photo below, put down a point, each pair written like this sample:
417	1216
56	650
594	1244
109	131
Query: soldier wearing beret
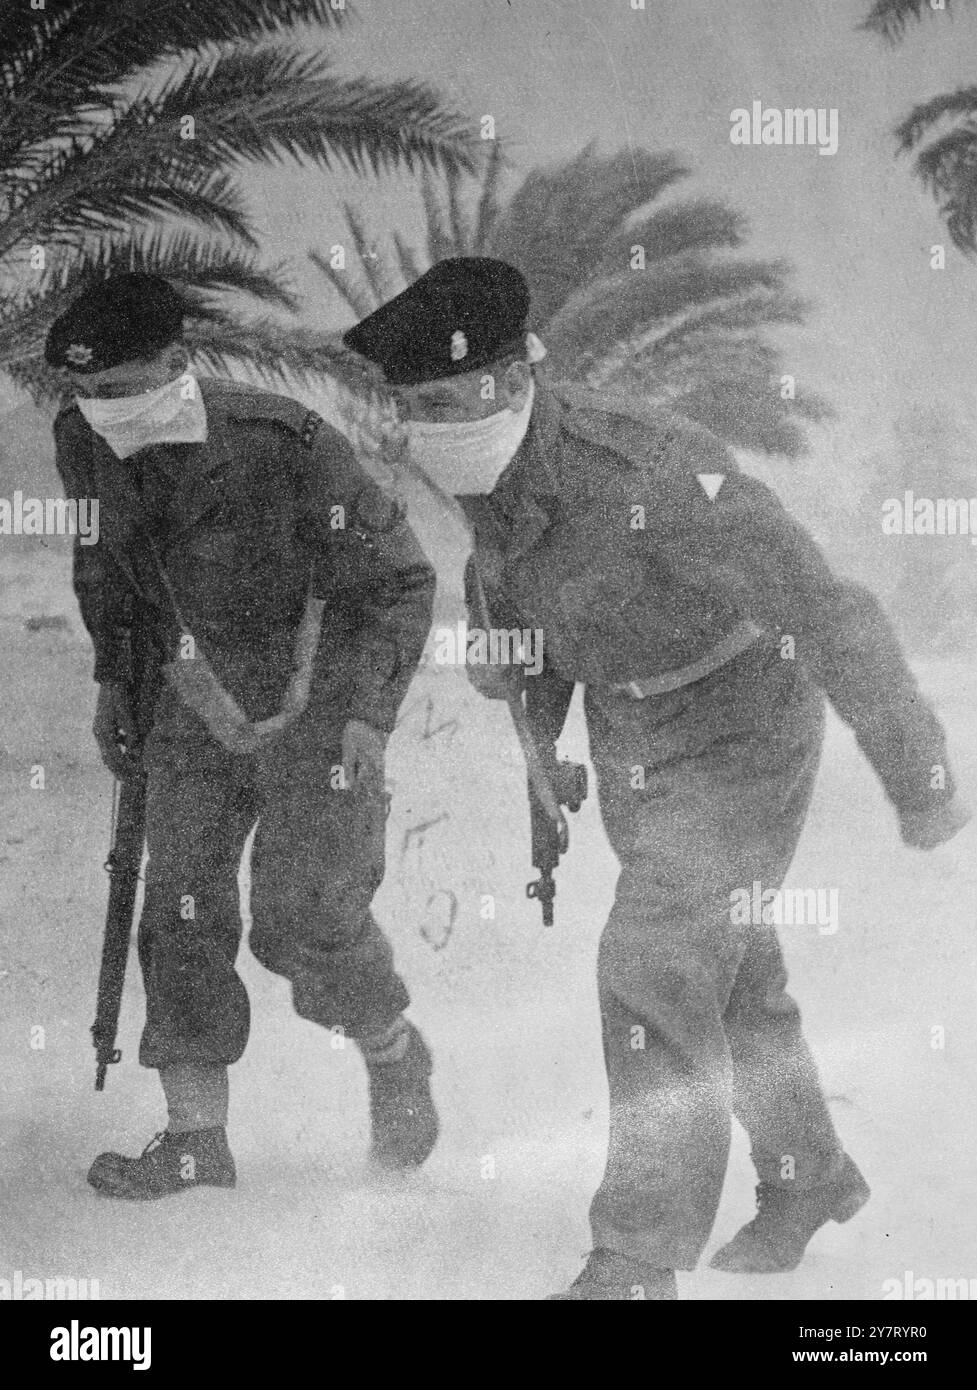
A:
289	603
706	629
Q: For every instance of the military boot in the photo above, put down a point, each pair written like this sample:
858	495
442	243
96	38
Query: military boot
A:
404	1120
775	1240
609	1277
168	1163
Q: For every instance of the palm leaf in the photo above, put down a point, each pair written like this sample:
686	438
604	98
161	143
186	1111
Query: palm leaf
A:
70	54
272	104
353	289
750	310
490	203
369	256
699	225
890	18
461	233
111	184
605	312
961	103
410	267
278	352
440	243
557	225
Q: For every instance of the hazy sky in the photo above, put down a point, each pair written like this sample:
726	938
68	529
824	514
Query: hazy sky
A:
557	73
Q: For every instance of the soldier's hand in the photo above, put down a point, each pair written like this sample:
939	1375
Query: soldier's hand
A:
494	682
927	829
363	749
114	728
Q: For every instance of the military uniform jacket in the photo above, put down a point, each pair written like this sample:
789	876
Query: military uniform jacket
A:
600	535
223	539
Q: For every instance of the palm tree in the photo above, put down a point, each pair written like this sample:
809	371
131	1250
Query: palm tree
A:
943	130
120	125
680	323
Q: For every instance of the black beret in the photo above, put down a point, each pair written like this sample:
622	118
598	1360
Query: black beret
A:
459	316
118	320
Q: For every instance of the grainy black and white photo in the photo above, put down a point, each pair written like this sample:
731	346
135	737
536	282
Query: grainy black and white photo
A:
488	619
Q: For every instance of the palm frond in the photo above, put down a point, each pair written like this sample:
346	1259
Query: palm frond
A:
697	329
557	225
71	54
925	115
948	168
369	255
440	243
273	104
72	47
697	225
890	18
461	233
606	311
277	352
111	184
490	201
410	267
351	288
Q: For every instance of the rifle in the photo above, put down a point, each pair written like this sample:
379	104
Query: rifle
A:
124	860
551	785
538	707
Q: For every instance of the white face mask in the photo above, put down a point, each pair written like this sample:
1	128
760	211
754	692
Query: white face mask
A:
469	455
172	414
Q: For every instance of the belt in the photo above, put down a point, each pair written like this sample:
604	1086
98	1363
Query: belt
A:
743	635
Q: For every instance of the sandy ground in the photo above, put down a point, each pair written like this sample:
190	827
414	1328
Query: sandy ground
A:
499	1212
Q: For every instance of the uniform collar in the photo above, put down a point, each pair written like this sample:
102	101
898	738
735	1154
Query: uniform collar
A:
526	496
197	486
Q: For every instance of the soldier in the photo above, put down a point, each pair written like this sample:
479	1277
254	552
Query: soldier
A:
289	603
706	629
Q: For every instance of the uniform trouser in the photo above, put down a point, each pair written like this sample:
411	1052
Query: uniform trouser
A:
317	860
697	1025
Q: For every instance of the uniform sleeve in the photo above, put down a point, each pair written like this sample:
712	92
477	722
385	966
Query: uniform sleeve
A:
104	595
764	562
367	559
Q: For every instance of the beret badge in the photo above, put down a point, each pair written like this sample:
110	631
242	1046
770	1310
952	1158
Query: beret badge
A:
79	354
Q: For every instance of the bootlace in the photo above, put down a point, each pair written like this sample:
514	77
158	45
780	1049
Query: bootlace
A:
771	1202
156	1141
598	1268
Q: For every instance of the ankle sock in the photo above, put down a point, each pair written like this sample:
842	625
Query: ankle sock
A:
196	1096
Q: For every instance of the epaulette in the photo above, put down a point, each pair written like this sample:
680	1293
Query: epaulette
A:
247	403
641	435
